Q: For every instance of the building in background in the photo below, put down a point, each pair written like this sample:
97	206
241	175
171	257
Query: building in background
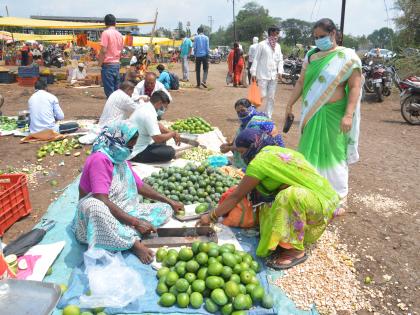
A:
93	34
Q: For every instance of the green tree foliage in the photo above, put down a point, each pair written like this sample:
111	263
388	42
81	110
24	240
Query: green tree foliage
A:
252	20
408	22
181	32
382	38
297	32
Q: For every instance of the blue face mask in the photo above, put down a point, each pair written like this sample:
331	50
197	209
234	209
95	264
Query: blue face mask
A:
160	112
324	43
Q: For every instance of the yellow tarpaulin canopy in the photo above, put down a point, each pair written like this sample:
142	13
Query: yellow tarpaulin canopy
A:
164	41
47	24
37	37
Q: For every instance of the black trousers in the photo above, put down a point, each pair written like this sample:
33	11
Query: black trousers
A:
155	153
198	61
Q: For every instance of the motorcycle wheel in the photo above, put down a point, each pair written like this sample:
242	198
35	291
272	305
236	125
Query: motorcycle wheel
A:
386	91
379	95
407	114
368	86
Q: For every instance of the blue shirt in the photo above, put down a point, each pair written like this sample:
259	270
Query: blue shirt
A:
185	47
44	111
165	79
201	45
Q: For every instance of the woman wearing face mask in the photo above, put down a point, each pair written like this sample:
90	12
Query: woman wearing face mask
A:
109	213
303	201
330	86
250	118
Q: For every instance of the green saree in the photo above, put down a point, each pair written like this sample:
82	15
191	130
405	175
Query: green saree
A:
300	213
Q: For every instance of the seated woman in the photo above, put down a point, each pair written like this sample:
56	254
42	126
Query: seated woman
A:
304	201
250	118
109	214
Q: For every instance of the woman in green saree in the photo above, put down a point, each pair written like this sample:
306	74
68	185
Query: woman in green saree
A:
299	202
330	86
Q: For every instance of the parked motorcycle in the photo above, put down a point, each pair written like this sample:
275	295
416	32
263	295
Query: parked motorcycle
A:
215	58
291	70
409	97
53	57
378	80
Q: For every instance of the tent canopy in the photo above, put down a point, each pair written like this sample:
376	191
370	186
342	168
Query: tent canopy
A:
36	37
164	41
47	24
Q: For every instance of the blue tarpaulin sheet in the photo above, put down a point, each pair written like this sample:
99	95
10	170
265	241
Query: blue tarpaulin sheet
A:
68	268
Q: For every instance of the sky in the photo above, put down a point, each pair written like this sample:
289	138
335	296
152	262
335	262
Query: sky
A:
362	16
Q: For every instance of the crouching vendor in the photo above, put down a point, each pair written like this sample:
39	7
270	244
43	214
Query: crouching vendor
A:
299	201
109	214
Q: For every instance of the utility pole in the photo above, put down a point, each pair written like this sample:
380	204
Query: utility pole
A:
343	13
211	20
234	23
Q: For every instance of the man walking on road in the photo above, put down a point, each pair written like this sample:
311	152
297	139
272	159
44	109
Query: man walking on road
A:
201	53
267	66
109	56
251	55
186	48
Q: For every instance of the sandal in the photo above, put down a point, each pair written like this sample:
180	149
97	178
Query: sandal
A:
294	261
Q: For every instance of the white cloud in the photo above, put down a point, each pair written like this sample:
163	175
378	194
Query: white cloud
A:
362	17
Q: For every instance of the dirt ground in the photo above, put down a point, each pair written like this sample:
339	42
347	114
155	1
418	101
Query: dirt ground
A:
382	224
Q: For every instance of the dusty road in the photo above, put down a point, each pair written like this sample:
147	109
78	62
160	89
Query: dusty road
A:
382	226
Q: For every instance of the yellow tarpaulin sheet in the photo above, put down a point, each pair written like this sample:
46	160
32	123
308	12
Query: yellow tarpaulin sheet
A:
163	41
37	37
46	24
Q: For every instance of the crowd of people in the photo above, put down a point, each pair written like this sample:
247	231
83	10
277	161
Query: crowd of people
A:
298	191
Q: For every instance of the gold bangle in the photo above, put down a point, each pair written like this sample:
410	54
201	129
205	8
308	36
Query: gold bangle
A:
213	216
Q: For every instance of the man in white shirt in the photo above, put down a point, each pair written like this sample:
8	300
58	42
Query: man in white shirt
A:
147	87
79	74
150	146
44	109
267	66
119	105
251	55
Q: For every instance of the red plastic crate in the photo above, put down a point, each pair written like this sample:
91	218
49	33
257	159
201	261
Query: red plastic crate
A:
14	199
27	81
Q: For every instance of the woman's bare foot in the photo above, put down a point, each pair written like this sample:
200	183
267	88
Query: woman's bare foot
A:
142	252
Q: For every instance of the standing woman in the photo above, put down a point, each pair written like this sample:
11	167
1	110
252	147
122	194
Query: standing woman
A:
236	64
330	86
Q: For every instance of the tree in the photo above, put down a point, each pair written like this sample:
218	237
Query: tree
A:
252	20
297	32
408	23
163	32
382	38
180	31
351	41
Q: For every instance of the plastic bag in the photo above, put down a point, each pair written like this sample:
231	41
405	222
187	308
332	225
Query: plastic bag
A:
111	282
254	94
229	79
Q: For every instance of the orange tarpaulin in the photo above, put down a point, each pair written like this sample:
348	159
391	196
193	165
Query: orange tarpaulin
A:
96	46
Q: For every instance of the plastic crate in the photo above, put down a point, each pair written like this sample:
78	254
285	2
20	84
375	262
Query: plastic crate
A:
14	199
27	81
28	71
7	77
49	79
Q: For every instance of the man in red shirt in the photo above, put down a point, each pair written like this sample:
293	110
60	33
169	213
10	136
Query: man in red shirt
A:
109	57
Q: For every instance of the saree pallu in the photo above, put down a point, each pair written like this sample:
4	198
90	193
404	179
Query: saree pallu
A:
95	225
322	142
